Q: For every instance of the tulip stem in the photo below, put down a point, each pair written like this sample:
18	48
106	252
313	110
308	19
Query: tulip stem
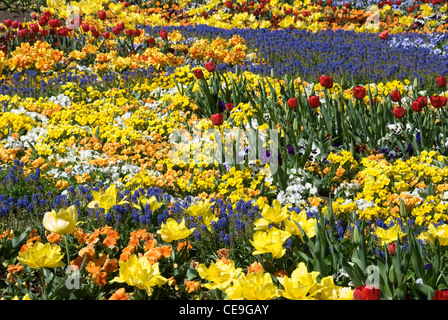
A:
44	286
66	248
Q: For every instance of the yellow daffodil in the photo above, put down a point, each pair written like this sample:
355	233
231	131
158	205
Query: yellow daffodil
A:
254	286
220	274
42	256
308	225
107	199
171	230
270	241
388	235
140	273
61	222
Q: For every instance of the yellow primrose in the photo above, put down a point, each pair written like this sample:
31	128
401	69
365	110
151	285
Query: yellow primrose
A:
220	274
42	256
61	222
388	235
254	286
139	272
107	199
308	225
270	241
171	230
302	285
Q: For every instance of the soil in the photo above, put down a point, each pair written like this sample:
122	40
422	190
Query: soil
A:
21	16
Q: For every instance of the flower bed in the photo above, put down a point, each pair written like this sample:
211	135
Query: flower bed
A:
192	151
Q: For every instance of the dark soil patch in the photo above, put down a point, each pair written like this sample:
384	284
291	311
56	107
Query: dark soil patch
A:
21	16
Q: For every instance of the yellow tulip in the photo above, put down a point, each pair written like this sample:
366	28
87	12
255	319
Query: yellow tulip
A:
440	233
308	225
275	214
140	273
254	286
171	230
219	274
153	203
61	222
107	199
203	210
42	256
389	235
302	285
270	241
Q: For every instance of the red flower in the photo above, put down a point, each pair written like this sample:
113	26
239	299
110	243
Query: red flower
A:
391	248
399	112
441	294
137	32
128	32
63	31
43	32
416	106
120	25
198	73
384	35
395	96
326	81
438	101
151	41
292	103
229	106
441	82
163	34
8	22
366	292
210	66
330	2
85	27
314	101
106	35
359	92
15	24
116	31
102	15
217	119
229	4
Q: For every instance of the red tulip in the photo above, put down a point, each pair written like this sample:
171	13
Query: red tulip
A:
391	248
441	294
292	103
15	24
8	22
210	66
399	112
198	73
128	32
85	27
359	92
151	41
229	106
330	2
384	35
116	31
314	101
120	25
229	4
43	32
438	101
102	15
366	292
217	119
126	4
163	34
416	106
441	82
326	81
106	35
137	32
395	96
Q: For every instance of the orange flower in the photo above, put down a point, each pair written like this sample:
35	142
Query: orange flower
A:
254	267
54	238
120	294
223	253
281	273
13	269
111	265
340	172
183	244
192	286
